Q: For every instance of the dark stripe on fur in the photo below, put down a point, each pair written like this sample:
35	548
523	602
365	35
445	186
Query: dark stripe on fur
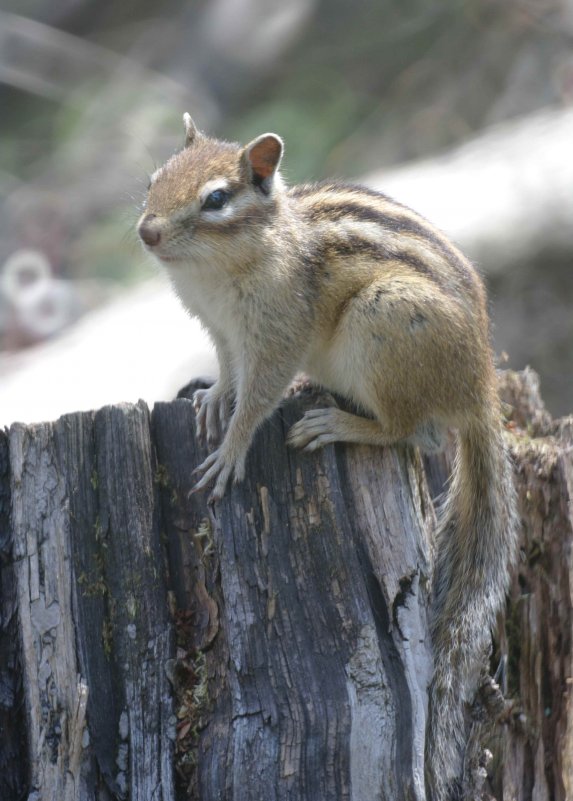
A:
355	246
334	187
401	222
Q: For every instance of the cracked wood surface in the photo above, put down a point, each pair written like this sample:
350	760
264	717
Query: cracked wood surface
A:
301	669
91	601
318	675
535	755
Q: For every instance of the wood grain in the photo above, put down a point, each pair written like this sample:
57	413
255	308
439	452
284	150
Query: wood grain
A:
274	647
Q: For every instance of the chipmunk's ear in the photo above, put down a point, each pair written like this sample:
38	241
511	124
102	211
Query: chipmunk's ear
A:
191	131
262	157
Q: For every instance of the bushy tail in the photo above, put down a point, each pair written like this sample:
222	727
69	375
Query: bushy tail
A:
477	539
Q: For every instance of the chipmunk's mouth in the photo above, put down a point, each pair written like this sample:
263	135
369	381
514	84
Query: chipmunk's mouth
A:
167	259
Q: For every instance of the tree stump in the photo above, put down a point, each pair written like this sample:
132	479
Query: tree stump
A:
534	747
275	647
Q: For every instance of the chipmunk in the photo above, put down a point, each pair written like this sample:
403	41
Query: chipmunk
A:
372	302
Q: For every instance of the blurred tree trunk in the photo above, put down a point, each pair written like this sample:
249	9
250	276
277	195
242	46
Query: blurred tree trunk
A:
275	647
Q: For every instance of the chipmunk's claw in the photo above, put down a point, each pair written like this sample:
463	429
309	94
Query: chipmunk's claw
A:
316	428
219	468
212	414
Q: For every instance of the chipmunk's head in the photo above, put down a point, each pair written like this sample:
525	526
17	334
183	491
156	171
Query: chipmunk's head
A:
212	199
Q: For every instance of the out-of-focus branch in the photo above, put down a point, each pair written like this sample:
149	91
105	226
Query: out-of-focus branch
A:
44	60
506	196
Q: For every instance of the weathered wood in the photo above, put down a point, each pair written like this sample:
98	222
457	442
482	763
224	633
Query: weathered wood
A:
317	677
55	693
300	605
535	751
92	607
531	740
13	768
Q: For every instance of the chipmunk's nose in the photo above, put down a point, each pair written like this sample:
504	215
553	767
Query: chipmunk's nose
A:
149	231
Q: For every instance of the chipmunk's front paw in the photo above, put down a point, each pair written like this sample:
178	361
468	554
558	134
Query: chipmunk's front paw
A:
219	467
316	428
212	408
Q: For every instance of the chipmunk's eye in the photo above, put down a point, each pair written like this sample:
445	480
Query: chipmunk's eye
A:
216	200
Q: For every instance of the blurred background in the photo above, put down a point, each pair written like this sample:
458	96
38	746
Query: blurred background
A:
460	108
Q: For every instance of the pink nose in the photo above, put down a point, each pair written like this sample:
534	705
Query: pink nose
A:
148	232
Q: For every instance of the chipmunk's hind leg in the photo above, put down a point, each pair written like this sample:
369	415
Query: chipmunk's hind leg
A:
430	436
320	427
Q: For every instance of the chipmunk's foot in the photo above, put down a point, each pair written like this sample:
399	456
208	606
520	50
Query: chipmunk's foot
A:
212	408
220	468
316	428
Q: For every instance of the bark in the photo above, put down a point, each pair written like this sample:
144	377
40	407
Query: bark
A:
530	738
275	647
535	750
91	602
13	746
317	678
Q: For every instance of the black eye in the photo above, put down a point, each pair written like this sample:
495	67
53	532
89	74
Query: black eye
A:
216	200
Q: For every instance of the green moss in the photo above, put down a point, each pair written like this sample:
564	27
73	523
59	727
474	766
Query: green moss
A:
131	606
107	637
190	677
514	639
204	537
91	589
98	530
93	584
161	477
